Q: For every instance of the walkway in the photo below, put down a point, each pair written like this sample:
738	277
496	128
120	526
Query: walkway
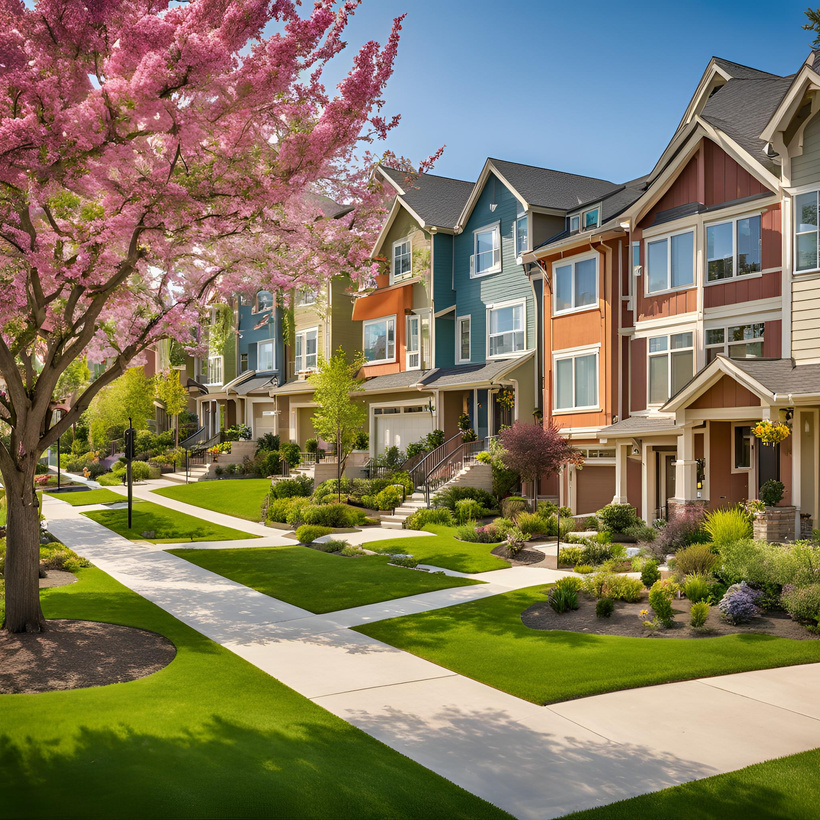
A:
535	762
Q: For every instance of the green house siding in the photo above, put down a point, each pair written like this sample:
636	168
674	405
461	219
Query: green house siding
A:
344	332
444	296
473	295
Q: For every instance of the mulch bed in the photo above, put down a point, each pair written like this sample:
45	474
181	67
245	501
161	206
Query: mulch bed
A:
79	654
627	622
526	557
57	578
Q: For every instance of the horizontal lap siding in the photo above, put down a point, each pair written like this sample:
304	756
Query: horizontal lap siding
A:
806	318
443	296
806	167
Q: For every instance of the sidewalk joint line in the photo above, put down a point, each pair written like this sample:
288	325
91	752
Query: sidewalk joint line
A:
758	700
386	685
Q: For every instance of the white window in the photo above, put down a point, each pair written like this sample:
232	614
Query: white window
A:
670	262
214	375
402	267
307	349
576	285
589	219
576	382
413	342
305	296
506	330
463	352
264	356
521	235
380	340
636	258
733	248
574	223
739	342
805	231
486	256
671	365
264	301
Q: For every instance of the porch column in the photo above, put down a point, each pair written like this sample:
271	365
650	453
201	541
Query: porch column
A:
621	460
686	467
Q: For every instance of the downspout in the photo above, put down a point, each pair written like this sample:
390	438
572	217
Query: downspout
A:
607	317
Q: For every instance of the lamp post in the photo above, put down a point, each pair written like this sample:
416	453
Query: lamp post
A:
56	415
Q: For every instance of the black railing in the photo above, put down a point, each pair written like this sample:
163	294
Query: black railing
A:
465	453
419	472
194	439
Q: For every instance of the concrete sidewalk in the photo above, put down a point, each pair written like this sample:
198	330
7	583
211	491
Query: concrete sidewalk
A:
535	762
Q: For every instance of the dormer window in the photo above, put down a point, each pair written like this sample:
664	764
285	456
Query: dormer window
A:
574	223
402	267
590	218
264	301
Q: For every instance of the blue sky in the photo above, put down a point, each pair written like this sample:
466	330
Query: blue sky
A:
594	88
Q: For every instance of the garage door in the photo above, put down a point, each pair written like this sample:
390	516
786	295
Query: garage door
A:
400	426
594	488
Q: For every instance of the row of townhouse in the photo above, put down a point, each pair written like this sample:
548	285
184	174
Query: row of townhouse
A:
655	321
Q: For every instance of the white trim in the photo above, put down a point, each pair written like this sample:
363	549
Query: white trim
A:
459	319
273	366
502	306
527	217
578	353
571	262
413	317
668	355
497	266
733	221
646	327
409	274
303	333
667	237
385	319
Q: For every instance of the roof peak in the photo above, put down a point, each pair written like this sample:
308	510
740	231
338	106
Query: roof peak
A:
549	170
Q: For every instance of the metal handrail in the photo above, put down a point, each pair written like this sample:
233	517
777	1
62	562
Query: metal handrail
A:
194	438
465	453
418	474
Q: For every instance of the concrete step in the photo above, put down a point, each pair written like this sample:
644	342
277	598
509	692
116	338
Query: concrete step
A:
393	525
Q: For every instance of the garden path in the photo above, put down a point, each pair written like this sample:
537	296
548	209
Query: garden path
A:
535	762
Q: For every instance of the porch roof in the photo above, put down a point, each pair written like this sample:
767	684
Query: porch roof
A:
472	375
639	426
252	384
393	381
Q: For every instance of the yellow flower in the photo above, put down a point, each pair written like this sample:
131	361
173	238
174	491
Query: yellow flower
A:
644	612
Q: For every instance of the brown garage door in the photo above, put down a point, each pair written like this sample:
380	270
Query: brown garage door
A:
594	488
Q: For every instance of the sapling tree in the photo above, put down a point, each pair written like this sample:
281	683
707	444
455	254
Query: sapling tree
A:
172	393
158	157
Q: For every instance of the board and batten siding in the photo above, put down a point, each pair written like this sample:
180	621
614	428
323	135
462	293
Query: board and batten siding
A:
806	166
806	317
473	296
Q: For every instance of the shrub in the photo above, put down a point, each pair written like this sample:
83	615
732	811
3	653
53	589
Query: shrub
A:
515	540
660	599
291	453
308	533
479	535
728	526
504	525
416	448
140	470
287	510
219	471
563	597
352	552
769	565
448	498
331	487
604	607
583	569
362	441
512	505
684	529
270	463
641	533
532	523
404	561
435	439
267	442
802	603
695	560
618	517
569	556
387	499
468	509
650	573
546	509
698	614
622	588
402	477
595	553
292	487
739	604
565	525
312	445
771	492
697	587
332	546
56	555
332	515
592	523
422	518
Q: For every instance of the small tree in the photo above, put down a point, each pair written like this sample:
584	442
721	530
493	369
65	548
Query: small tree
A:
338	419
534	451
171	392
130	396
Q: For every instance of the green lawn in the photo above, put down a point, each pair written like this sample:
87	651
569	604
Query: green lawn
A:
787	787
169	526
81	498
208	736
318	581
443	550
486	640
240	497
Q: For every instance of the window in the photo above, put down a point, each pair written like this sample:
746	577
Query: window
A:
214	370
264	356
413	342
576	382
305	296
671	365
506	330
243	362
671	262
805	231
574	223
402	267
380	340
733	248
463	338
576	285
743	448
307	349
264	301
590	218
636	258
740	342
521	235
486	256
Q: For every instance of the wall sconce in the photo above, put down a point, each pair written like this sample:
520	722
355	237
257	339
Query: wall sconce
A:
493	204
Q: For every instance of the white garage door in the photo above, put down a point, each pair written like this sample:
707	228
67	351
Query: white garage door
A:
400	426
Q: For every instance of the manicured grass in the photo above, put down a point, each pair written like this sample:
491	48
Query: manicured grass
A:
169	526
443	550
486	640
83	498
787	787
318	581
240	497
208	736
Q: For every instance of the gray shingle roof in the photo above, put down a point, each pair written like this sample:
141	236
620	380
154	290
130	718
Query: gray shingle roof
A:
251	384
390	381
638	426
782	375
741	72
437	200
467	374
546	188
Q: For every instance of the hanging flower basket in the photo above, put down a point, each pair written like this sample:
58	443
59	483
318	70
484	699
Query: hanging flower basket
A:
772	433
506	398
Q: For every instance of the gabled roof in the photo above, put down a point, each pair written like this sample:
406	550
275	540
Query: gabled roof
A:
741	72
392	381
467	375
639	426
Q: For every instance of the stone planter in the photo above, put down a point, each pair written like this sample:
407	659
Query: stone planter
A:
775	524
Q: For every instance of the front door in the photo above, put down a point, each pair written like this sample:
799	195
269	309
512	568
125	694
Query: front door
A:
665	482
768	463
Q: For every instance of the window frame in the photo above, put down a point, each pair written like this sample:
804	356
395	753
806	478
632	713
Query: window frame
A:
519	251
734	222
751	438
300	297
596	209
727	344
272	343
304	334
208	361
502	306
256	308
573	354
460	320
575	218
412	317
648	240
573	261
796	233
408	240
496	267
668	354
386	320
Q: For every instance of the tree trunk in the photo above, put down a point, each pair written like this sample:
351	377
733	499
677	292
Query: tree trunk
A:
22	570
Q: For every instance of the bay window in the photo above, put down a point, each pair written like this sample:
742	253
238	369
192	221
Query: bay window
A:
670	262
506	330
739	342
805	231
380	340
733	248
486	256
307	349
576	285
576	382
402	267
671	365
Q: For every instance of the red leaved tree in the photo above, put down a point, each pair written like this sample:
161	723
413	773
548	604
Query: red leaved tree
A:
156	156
